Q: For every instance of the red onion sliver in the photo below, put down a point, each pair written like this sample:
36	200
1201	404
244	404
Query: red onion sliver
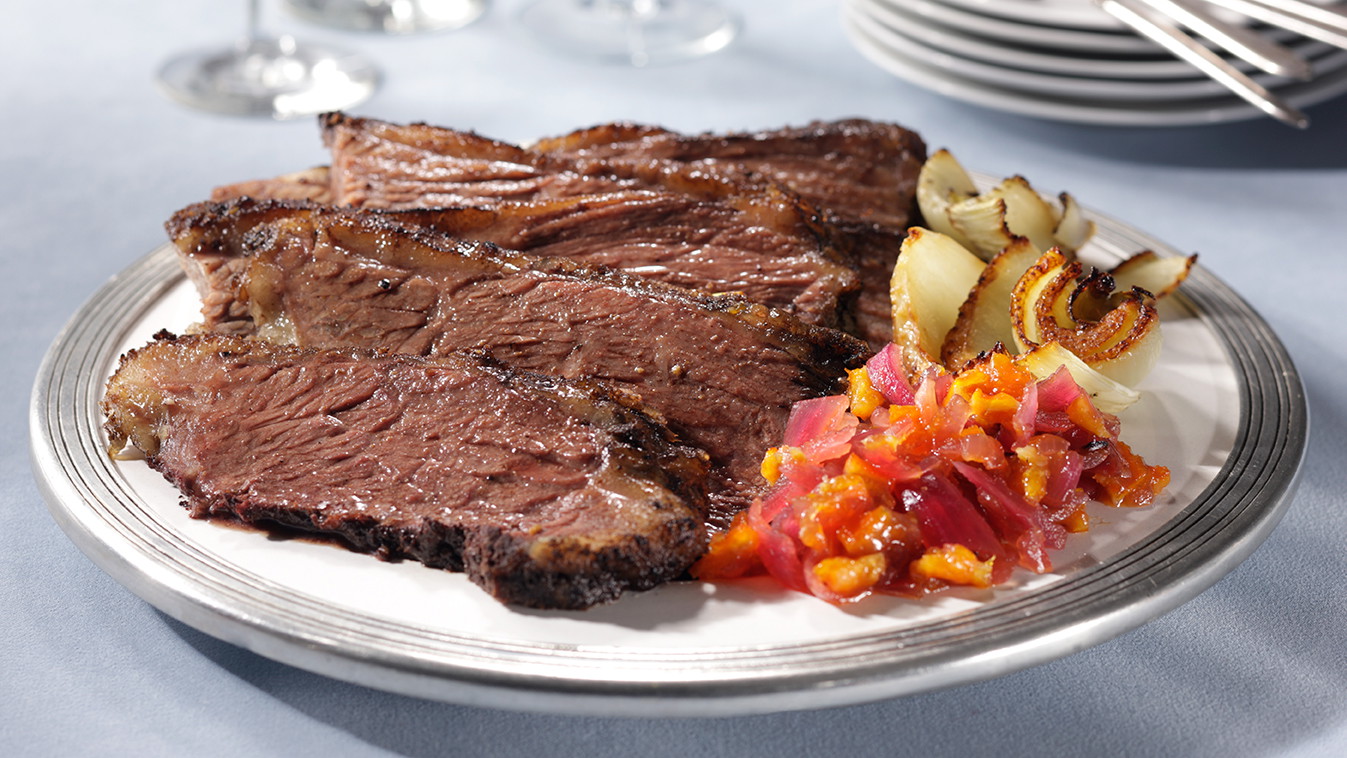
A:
888	375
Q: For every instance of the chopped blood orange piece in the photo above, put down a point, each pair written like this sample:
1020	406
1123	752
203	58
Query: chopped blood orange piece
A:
955	564
733	553
861	393
848	577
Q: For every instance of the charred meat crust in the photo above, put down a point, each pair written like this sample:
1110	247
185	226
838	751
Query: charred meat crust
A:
722	371
765	247
881	158
210	230
859	175
645	484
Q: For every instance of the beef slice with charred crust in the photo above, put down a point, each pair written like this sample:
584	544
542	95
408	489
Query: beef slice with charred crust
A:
689	227
861	174
376	164
765	247
546	493
858	171
723	372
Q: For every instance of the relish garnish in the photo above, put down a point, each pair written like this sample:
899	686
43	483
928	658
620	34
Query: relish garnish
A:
901	489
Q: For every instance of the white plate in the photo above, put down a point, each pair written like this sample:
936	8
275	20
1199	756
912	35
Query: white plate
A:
1080	14
1194	112
896	29
1119	41
1025	34
1324	58
1224	410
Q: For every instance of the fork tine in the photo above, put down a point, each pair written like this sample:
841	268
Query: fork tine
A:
1154	26
1237	40
1334	17
1290	16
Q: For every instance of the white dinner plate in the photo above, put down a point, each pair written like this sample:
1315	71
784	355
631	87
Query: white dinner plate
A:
1079	14
1324	58
1119	41
1026	34
896	29
1224	410
1197	111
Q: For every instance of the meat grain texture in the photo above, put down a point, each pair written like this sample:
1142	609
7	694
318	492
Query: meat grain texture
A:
721	371
547	493
553	368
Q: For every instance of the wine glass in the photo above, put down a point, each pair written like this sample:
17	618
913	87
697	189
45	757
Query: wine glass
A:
637	32
390	16
262	75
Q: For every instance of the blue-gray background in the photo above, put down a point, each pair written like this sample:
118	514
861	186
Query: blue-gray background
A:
93	160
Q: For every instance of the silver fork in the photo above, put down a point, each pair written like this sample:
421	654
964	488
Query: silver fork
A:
1240	41
1142	17
1324	23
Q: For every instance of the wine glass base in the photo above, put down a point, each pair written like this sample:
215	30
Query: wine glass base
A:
389	16
278	78
635	32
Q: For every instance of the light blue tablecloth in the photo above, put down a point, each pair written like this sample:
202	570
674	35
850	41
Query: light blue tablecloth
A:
93	160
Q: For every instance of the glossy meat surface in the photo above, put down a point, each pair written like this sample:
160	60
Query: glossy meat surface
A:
859	176
546	493
722	371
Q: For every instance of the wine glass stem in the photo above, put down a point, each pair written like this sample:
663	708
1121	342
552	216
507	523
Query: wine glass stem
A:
254	26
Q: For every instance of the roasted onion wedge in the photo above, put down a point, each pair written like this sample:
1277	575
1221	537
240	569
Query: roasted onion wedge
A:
1073	229
990	221
941	183
1157	275
986	222
1122	344
930	282
984	318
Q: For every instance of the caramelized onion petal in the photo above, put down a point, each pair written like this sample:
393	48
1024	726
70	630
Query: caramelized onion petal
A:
941	183
930	281
1155	274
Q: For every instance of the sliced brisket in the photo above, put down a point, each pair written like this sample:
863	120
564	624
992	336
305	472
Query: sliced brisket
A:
722	371
545	492
860	174
313	185
376	164
858	171
684	228
759	246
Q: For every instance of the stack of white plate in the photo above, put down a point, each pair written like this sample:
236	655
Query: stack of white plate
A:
1065	60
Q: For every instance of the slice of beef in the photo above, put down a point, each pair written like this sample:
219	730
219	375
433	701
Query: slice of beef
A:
313	185
861	174
215	262
680	227
859	171
759	246
546	493
376	164
722	371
